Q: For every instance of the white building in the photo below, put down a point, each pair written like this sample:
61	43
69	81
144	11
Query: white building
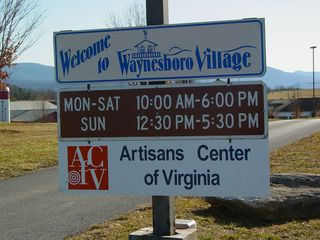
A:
33	111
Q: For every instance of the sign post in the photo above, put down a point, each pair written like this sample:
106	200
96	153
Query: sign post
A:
163	209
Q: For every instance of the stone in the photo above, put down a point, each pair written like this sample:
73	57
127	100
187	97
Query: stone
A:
184	224
147	234
293	196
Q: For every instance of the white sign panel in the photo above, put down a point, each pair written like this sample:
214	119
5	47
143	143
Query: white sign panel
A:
168	52
237	168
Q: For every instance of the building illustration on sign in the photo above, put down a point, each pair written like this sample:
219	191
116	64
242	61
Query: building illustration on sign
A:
146	48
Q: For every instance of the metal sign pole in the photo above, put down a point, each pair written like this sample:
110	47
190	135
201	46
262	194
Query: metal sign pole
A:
163	215
162	206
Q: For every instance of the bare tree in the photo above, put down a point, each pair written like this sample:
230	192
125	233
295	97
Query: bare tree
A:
294	92
133	16
18	20
296	109
43	109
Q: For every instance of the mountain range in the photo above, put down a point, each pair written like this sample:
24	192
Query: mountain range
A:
37	76
32	75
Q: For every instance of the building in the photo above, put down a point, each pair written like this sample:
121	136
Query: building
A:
276	105
299	108
33	111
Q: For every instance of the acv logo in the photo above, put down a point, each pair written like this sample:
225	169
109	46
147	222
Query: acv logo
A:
88	168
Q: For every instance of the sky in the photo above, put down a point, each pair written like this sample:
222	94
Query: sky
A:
292	26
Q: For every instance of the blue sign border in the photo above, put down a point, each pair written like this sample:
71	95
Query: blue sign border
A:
214	76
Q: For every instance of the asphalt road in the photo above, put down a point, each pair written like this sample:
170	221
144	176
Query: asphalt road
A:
32	207
285	132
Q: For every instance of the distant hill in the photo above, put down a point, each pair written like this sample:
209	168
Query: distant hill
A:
275	78
32	75
37	76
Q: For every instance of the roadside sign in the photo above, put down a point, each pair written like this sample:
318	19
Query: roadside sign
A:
223	49
4	103
218	110
237	168
193	140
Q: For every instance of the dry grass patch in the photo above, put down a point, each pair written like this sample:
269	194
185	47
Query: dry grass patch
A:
27	146
212	224
302	156
287	94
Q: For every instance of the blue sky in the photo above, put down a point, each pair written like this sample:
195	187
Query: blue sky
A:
292	26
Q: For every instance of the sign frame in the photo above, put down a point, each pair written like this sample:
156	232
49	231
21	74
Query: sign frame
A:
216	83
168	76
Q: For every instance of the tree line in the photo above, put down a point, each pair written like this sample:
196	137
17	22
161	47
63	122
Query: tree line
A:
17	93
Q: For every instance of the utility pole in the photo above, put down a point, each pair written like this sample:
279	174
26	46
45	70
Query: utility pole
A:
157	12
313	85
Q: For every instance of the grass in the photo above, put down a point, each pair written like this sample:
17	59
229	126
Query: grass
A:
286	94
213	223
300	157
27	146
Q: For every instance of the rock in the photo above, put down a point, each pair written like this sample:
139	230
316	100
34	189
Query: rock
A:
293	196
